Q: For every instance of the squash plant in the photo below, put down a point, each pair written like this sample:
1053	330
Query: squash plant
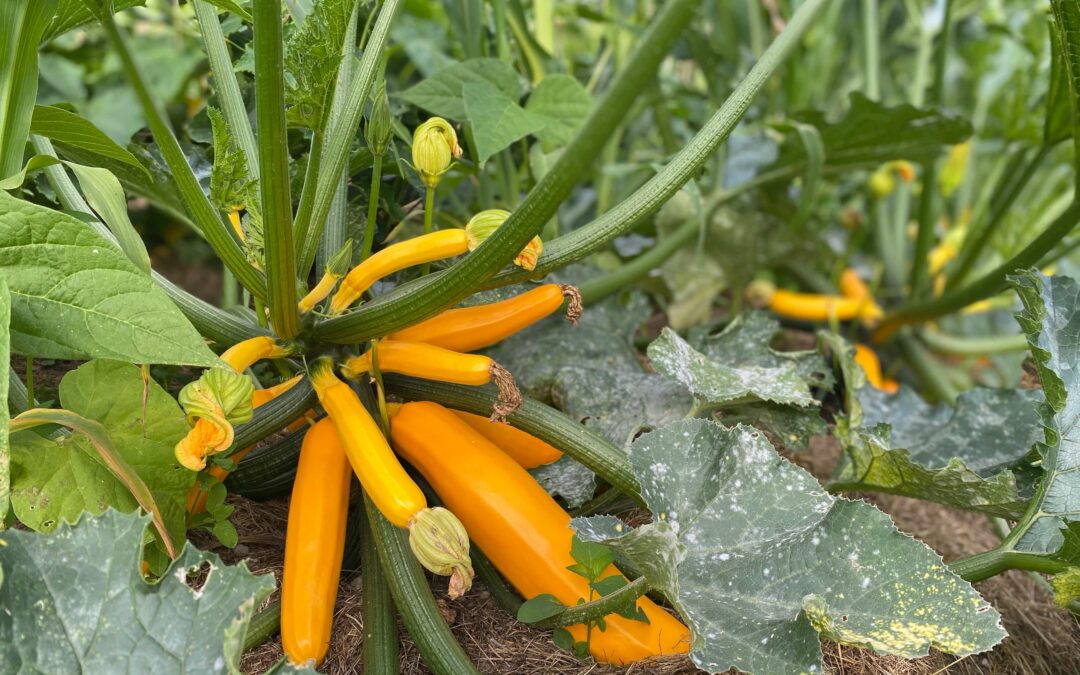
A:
754	558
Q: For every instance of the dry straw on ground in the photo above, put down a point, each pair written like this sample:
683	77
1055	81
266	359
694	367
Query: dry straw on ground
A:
1044	640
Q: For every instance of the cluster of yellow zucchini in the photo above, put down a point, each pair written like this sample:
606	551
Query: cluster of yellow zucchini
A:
477	466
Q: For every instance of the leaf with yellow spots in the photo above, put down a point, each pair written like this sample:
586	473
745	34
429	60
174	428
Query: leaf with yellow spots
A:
761	562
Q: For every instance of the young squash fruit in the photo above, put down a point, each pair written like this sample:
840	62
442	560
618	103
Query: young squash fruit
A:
396	257
314	543
522	447
435	535
467	329
852	286
867	358
520	528
435	363
243	355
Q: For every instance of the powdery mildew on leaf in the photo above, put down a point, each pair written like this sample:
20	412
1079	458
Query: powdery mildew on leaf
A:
759	559
1051	320
719	383
73	601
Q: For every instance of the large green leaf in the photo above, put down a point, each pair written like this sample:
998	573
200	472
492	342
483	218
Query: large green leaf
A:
871	133
443	93
873	462
74	296
74	602
5	374
591	370
23	23
1051	320
56	480
66	127
760	561
561	103
496	119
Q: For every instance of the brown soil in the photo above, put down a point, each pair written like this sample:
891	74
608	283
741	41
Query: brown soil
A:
1044	640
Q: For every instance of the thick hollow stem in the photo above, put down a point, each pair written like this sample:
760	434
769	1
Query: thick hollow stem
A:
274	169
991	563
963	345
597	609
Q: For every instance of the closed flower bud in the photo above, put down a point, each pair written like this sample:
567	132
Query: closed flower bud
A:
760	292
904	170
882	182
439	542
379	129
435	146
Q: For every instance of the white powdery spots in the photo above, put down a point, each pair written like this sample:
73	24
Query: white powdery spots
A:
865	583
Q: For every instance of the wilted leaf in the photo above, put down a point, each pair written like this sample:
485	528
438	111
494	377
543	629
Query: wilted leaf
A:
75	602
760	561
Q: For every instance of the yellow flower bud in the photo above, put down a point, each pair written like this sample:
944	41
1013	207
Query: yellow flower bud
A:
904	169
483	225
760	292
434	146
439	542
882	183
